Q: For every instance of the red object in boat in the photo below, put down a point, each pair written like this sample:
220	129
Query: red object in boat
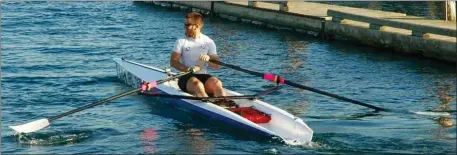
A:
252	114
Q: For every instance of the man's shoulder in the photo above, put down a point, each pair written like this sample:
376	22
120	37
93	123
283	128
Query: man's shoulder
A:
181	40
207	39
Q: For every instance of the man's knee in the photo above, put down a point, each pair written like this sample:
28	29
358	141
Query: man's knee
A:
194	84
213	82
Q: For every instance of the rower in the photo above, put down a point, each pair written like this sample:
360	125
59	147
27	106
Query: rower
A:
194	51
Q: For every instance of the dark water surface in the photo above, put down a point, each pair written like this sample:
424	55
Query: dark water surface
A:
57	56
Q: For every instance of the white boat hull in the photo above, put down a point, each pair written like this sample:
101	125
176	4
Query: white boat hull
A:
282	124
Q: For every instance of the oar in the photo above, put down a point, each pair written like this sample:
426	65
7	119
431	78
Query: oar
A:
42	123
280	80
252	97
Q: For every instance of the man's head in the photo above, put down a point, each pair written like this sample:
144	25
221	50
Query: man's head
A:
193	24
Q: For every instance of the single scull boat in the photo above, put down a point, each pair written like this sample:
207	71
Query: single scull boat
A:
279	123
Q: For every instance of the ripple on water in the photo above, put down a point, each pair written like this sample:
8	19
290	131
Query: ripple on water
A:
51	138
342	142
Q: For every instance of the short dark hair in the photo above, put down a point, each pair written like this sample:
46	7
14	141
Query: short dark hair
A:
195	18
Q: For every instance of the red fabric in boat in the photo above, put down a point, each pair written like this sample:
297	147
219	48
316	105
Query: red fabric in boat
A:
252	114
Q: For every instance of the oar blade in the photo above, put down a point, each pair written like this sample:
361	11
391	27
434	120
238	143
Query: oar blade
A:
432	113
31	126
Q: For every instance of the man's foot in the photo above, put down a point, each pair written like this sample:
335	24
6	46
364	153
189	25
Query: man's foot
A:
226	103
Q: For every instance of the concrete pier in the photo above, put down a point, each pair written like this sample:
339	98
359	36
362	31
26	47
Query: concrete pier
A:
435	39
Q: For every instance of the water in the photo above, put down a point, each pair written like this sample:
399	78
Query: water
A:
57	56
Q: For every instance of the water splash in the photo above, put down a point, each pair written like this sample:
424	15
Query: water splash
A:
297	143
272	151
51	138
303	144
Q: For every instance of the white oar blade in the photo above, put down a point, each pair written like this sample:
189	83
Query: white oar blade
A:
31	127
433	113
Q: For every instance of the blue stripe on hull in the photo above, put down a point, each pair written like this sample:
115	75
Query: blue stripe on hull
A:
212	115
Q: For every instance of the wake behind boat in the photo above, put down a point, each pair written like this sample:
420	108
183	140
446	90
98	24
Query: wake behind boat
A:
255	116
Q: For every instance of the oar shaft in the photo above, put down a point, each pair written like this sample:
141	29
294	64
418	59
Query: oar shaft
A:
200	98
237	68
265	92
298	85
111	98
334	95
93	104
448	111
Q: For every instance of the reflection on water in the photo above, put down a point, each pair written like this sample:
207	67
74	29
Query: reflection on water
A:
299	107
295	48
222	35
444	94
196	142
149	136
444	91
374	5
432	11
297	56
445	121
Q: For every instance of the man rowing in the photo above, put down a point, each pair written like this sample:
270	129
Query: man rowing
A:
194	51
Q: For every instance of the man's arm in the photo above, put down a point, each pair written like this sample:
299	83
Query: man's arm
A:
214	57
175	63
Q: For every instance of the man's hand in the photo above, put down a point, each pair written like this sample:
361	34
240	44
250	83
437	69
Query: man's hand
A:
204	57
194	69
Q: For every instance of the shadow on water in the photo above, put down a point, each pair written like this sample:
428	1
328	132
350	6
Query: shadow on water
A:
356	116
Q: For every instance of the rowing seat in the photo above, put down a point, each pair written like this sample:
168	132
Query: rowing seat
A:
252	114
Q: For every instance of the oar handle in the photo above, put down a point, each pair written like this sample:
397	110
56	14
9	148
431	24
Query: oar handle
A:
236	68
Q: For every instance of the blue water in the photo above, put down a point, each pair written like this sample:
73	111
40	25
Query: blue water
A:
57	56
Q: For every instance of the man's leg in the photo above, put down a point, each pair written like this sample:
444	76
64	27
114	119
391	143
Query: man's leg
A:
194	86
214	86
